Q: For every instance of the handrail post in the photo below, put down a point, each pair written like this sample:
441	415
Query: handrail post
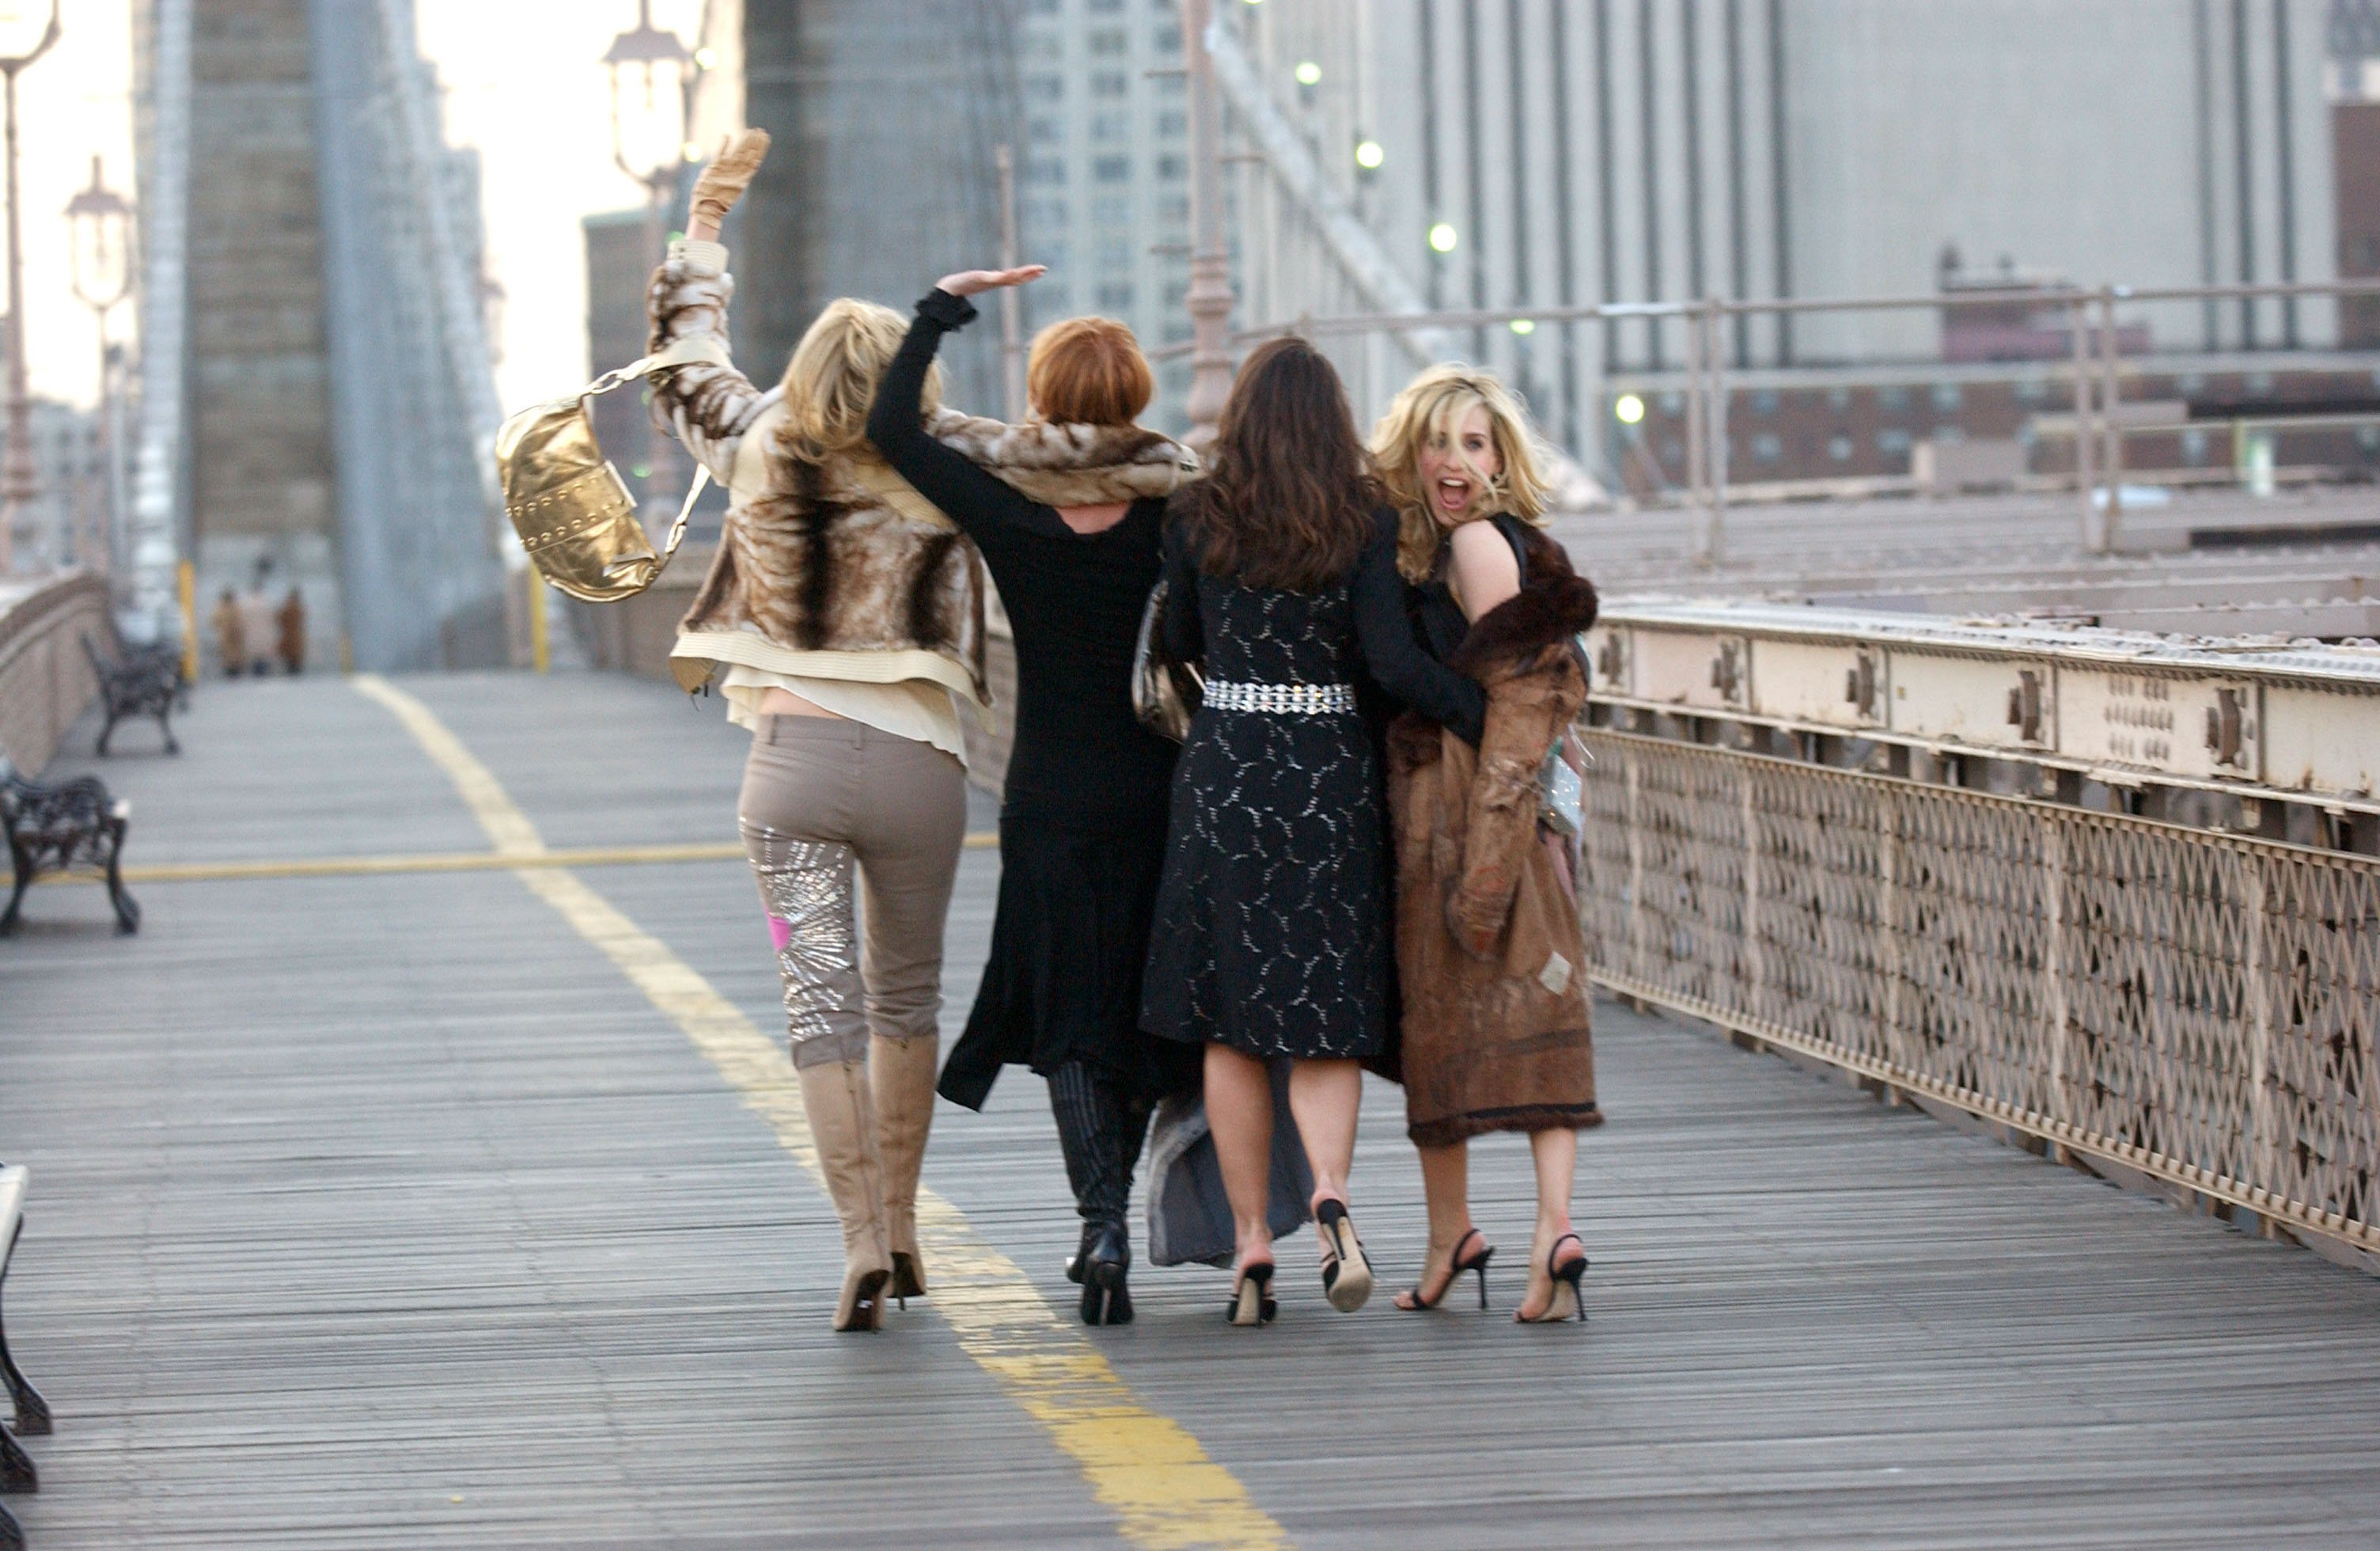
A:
2078	325
1714	359
1697	439
2111	457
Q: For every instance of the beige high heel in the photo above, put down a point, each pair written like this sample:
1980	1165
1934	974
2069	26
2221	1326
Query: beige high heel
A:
902	1073
843	1126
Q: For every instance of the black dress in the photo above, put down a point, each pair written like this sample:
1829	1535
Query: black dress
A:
1081	823
1272	928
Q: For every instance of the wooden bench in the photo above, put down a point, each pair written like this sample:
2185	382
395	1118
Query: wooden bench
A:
73	827
140	684
33	1418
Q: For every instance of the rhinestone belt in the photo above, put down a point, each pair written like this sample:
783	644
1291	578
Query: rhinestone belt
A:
1281	699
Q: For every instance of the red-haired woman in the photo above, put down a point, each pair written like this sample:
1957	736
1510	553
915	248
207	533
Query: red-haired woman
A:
1067	508
1272	936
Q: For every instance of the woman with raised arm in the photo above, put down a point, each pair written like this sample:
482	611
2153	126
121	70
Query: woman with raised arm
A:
1067	509
1272	936
843	621
1489	954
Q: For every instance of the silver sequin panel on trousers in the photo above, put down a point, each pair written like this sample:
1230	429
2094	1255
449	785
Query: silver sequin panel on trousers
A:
806	889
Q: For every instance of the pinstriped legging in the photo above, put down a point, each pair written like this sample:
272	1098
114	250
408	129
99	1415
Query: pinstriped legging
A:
1100	1129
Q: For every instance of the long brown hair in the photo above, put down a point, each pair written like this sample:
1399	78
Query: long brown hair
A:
1289	497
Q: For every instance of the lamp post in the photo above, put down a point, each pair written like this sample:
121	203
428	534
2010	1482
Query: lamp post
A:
648	65
21	46
1210	264
98	222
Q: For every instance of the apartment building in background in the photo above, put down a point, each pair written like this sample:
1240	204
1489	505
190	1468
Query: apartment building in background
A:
1550	152
1103	172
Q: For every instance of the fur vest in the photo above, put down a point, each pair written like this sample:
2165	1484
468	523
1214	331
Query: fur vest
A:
838	568
1490	956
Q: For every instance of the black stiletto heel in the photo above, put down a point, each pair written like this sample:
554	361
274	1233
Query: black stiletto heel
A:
1567	1302
1477	1262
1252	1302
1105	1259
1346	1273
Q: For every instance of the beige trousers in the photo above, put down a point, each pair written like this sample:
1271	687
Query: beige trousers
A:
821	797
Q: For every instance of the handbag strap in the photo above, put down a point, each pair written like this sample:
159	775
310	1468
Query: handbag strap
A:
699	349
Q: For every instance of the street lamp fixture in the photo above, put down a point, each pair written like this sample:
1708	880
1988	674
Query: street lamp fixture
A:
1628	410
99	224
1443	238
21	43
1370	155
653	83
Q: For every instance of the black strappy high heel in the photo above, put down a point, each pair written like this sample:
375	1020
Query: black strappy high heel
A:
1454	1268
1346	1273
1566	1303
1252	1302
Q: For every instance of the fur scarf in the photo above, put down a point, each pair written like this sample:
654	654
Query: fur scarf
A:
1068	465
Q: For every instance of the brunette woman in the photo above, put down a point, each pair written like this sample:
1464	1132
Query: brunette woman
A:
1067	509
1272	936
843	621
1489	954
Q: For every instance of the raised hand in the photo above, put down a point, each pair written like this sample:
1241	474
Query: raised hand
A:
723	181
968	281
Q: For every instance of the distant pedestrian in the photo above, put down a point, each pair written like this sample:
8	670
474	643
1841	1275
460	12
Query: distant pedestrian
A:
293	632
259	626
231	635
844	619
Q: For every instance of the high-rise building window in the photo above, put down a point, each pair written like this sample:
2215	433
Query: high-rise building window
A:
1109	83
1172	124
1176	209
1116	253
1045	130
1171	168
1107	41
1116	293
1767	447
1166	39
1109	126
1112	169
1946	395
1046	214
1045	89
1112	210
1045	169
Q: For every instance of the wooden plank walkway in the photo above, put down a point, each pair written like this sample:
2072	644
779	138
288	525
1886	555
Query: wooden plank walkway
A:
386	1211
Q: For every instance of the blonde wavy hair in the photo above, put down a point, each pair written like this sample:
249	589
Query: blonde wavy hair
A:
832	379
1429	412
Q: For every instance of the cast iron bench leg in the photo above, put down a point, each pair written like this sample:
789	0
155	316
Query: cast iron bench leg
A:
32	1411
11	1537
127	909
12	917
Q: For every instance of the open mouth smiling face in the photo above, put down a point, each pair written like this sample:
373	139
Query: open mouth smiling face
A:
1458	465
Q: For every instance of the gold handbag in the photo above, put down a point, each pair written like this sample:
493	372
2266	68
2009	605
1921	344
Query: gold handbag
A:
572	511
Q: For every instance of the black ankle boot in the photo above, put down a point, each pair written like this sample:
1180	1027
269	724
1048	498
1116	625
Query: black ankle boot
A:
1105	1259
1076	1261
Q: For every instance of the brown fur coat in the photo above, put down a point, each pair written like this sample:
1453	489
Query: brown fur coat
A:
1491	958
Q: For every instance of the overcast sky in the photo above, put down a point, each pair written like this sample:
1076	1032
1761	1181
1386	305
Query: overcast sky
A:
525	85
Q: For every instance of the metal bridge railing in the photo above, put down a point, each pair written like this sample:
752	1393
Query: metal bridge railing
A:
2198	1006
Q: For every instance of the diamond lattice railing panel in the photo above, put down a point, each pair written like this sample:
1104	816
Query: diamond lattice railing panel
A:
2197	1005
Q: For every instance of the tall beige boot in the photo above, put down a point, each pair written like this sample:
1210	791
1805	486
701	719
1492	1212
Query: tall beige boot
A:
903	1074
842	1125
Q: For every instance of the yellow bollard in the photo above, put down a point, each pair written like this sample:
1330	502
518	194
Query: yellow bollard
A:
539	657
186	577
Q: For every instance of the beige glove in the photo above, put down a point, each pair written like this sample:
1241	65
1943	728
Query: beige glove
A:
729	173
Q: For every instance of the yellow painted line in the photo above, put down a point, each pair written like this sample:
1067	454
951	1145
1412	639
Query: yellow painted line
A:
438	861
1144	1466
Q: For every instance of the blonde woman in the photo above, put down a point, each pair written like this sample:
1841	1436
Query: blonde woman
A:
1489	954
843	621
